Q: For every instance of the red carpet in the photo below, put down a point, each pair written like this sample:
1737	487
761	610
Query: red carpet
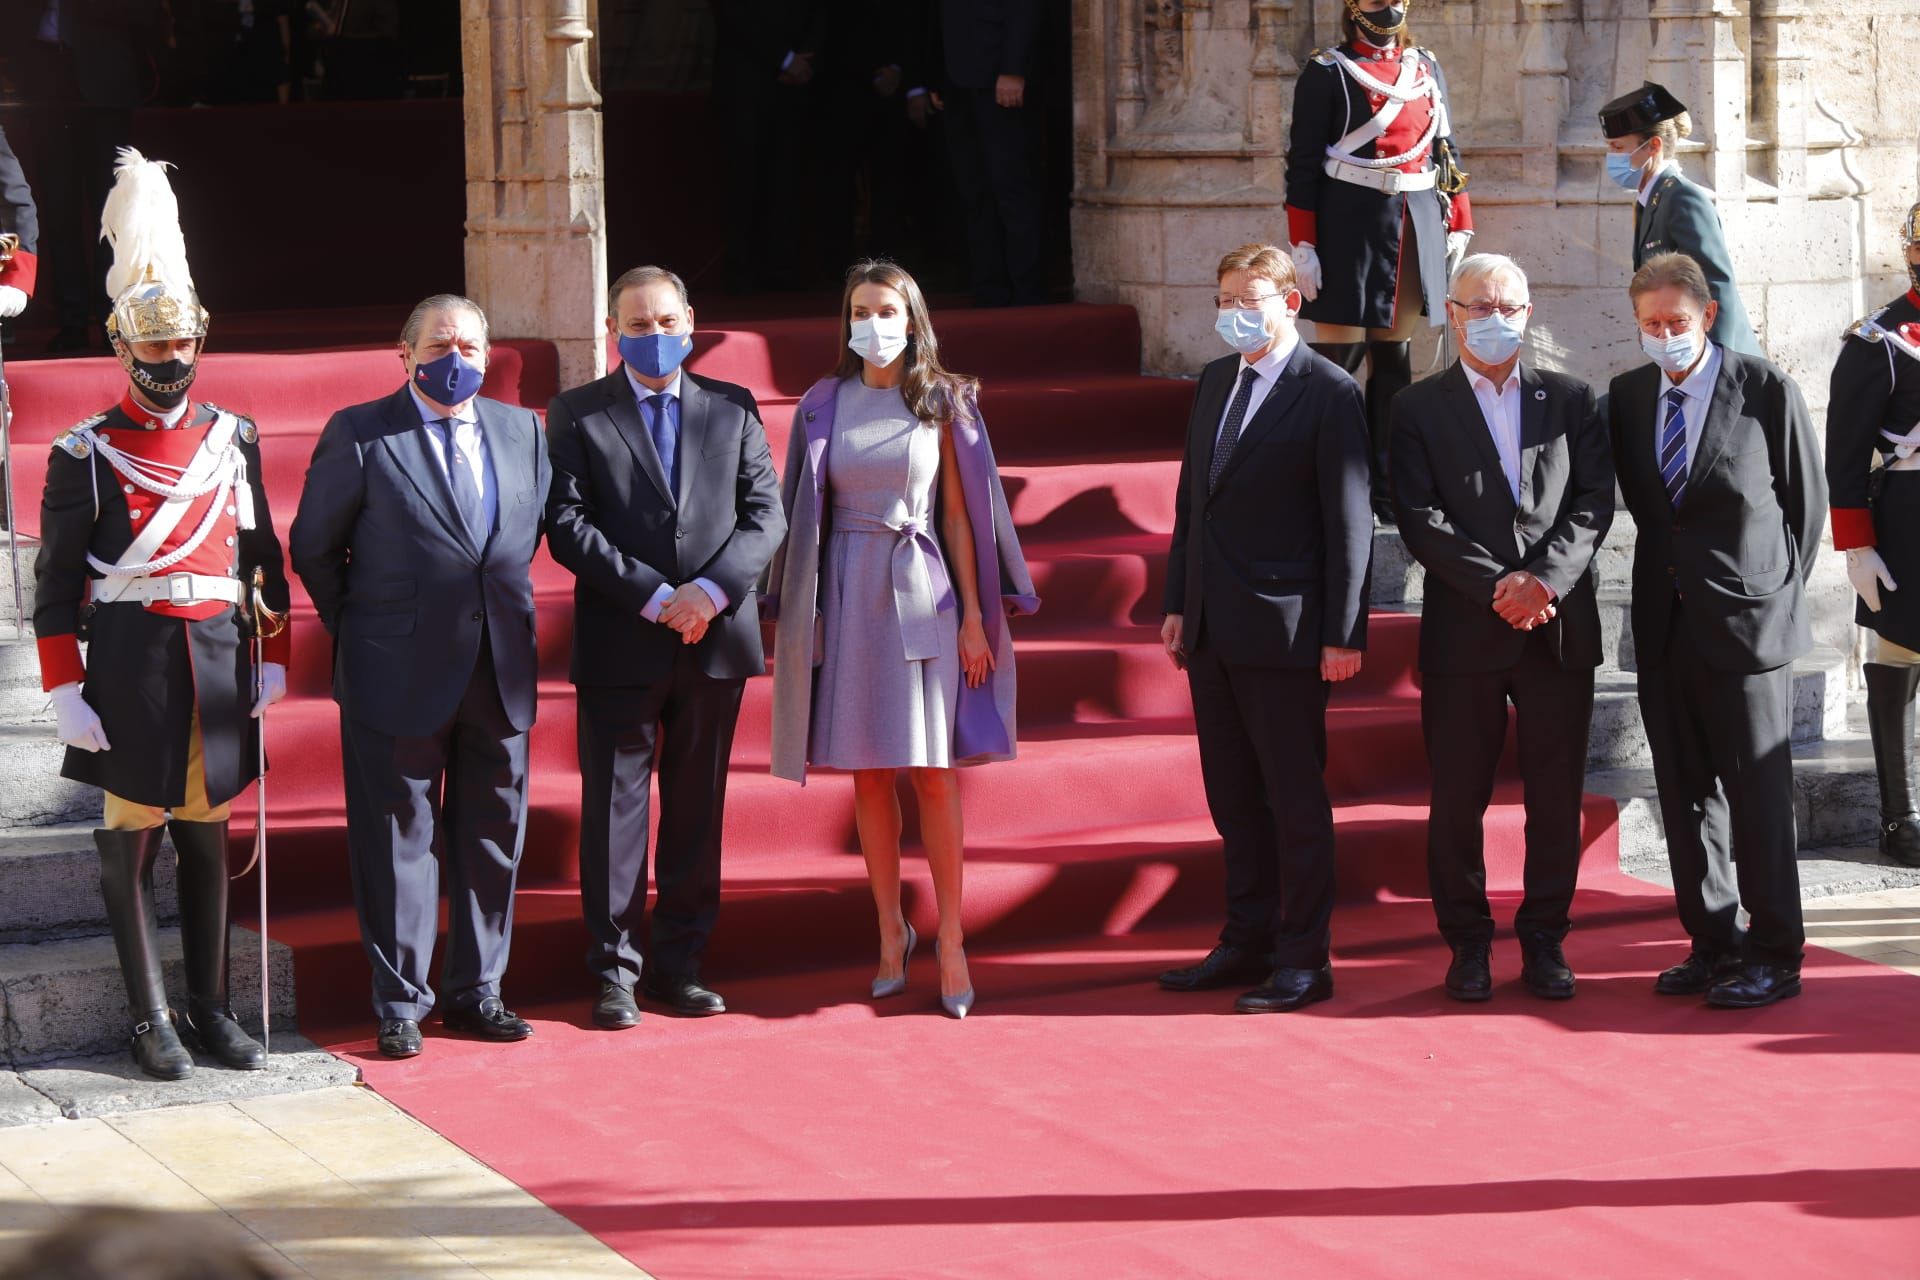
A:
1084	1123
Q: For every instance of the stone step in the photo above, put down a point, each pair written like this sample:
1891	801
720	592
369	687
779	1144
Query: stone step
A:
1618	739
82	1087
64	997
32	792
19	659
1825	872
29	548
1399	580
52	878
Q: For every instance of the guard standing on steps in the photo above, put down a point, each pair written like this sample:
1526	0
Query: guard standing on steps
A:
1377	206
154	524
1873	417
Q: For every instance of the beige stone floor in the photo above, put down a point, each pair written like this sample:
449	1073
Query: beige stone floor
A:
1883	926
333	1183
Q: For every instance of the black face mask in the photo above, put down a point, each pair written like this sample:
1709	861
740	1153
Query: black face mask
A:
1913	269
165	383
1390	19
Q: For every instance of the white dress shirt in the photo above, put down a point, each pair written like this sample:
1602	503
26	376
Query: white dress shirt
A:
1501	409
1268	368
469	445
1653	180
664	592
1697	387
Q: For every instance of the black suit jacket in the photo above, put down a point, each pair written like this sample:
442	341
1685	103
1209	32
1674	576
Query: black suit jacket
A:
614	520
986	39
1272	564
1459	520
395	576
1680	217
1740	548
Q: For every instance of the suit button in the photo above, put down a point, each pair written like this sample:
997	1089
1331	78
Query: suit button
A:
478	616
679	533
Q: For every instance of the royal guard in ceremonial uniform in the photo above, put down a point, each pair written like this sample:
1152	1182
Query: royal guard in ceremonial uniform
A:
158	551
1376	204
1873	416
19	234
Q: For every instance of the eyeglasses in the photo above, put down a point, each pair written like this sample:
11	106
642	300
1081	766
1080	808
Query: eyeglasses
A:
1481	310
1250	302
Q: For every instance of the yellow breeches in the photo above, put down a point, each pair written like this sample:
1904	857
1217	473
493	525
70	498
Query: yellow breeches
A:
125	815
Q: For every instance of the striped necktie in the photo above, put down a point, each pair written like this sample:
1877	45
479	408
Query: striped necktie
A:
1673	447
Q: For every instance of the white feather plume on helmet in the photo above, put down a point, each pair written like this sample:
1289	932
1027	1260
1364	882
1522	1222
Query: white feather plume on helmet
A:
150	283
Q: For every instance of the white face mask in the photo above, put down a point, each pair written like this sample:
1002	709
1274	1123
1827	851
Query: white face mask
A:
878	340
1675	354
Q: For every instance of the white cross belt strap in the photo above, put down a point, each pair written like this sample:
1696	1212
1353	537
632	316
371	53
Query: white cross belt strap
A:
178	588
1408	87
213	457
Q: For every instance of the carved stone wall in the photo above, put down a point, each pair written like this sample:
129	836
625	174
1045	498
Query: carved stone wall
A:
536	236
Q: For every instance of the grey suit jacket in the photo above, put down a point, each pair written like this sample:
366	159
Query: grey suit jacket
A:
1740	548
1680	217
396	577
1458	517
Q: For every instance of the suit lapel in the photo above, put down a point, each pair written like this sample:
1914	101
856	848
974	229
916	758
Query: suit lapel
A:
694	406
624	409
406	444
1533	429
1643	429
1717	430
506	456
1286	389
1472	423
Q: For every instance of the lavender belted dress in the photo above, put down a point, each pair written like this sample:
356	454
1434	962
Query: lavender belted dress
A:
888	682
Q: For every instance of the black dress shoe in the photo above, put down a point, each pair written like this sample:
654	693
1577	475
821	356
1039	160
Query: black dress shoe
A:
615	1009
1752	986
1470	976
490	1020
1288	989
220	1036
157	1049
684	994
1225	966
1692	976
399	1037
1544	969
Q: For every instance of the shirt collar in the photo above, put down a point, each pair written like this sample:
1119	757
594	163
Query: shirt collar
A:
1698	385
642	391
150	419
430	415
1477	380
1646	192
1270	365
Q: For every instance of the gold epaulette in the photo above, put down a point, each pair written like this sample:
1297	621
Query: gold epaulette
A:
1322	56
248	432
77	440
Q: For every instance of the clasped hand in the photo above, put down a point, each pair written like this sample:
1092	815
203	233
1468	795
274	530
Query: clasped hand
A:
1522	601
688	610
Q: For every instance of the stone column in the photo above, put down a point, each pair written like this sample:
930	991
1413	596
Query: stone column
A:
536	227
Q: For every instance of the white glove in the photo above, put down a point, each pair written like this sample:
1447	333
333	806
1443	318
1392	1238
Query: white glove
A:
1457	245
273	687
12	302
79	722
1868	574
1306	270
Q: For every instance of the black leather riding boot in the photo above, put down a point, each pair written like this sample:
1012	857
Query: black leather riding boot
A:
1890	691
126	885
202	847
1389	371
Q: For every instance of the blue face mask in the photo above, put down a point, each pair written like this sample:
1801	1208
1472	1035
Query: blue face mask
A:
1495	339
655	355
1621	168
1244	331
449	380
1675	354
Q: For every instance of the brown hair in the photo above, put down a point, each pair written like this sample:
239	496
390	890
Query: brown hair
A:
1664	270
1262	261
932	393
1403	38
641	276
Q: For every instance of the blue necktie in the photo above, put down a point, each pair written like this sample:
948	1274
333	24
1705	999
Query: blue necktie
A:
1673	447
466	489
666	436
1230	430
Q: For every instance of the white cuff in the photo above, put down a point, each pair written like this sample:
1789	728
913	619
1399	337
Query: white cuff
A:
714	593
788	60
661	594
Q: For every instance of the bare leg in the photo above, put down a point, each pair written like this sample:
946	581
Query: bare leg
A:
941	831
876	814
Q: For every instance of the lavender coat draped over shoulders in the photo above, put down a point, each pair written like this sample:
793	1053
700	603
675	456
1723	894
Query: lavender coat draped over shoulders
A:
984	721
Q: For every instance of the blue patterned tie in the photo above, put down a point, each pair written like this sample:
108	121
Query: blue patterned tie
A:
1673	447
1230	431
466	490
666	440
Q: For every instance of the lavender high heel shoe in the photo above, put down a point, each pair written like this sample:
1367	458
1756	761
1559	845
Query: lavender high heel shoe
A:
884	987
956	1006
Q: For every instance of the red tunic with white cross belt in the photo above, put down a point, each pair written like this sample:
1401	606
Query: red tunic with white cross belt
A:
152	667
1873	412
1358	231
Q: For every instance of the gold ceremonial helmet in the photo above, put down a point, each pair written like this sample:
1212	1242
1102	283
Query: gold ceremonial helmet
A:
153	310
149	283
1910	228
1368	24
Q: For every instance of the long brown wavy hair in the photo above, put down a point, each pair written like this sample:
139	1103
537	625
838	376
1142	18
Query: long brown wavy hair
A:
933	394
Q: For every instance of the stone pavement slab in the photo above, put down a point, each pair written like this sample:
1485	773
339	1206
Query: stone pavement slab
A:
110	1084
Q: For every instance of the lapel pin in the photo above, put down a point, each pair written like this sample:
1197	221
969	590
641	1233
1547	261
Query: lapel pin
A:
809	417
1540	393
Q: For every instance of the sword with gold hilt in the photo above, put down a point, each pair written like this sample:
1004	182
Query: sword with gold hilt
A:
266	624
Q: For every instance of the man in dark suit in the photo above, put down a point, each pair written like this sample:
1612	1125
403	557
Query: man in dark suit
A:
1266	608
416	529
19	234
666	506
1720	466
1504	490
989	52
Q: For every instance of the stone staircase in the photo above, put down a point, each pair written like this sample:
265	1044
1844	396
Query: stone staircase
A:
63	1021
1836	801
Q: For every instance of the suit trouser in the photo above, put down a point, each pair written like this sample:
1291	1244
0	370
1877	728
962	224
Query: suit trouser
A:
463	791
1263	758
1724	767
685	723
991	150
1464	719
